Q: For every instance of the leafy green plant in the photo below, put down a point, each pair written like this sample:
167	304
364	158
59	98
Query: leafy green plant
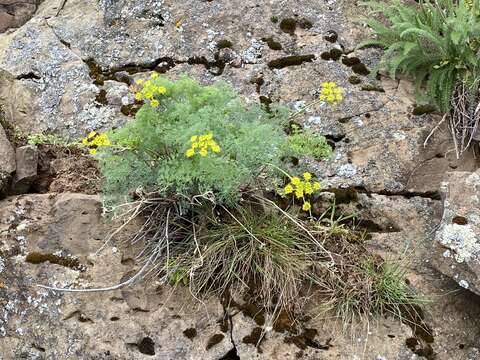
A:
47	139
434	42
307	143
191	140
437	44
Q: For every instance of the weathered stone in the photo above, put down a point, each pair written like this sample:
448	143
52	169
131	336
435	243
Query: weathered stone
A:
52	239
15	13
458	236
7	154
26	158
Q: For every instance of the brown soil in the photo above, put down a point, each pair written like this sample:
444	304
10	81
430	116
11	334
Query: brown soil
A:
66	170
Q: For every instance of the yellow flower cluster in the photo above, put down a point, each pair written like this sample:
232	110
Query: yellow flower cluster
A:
202	143
302	188
149	90
95	140
331	93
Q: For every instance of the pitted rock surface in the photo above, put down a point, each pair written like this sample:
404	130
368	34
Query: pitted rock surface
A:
68	70
458	236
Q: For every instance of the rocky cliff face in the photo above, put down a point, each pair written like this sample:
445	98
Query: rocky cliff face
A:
67	69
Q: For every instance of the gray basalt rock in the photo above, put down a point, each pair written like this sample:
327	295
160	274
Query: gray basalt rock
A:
7	154
26	158
458	237
15	13
7	161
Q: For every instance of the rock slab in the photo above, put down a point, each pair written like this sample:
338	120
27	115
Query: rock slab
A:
458	237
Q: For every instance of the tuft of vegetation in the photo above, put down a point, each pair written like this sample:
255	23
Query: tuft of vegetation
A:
302	143
48	139
379	288
202	171
161	150
437	44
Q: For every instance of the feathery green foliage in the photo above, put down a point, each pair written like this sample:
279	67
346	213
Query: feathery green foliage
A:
436	43
307	143
150	151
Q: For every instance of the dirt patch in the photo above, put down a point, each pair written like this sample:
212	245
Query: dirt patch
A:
66	170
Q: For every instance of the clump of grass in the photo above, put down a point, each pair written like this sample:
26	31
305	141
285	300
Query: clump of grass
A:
375	286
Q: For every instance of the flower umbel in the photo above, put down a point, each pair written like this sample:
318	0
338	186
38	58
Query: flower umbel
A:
331	93
302	189
201	144
149	90
95	140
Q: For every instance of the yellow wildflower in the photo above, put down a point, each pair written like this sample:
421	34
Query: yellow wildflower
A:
204	143
296	181
306	206
308	188
307	176
93	151
317	186
139	81
288	189
154	103
331	93
154	75
299	193
162	90
190	152
215	148
138	96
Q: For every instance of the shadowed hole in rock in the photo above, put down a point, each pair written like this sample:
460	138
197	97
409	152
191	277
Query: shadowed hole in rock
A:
325	55
354	80
266	102
293	60
214	340
419	348
423	109
254	312
372	87
307	339
28	76
331	36
101	98
224	324
288	25
190	333
360	69
460	220
255	338
305	24
146	346
350	61
39	258
38	347
373	227
224	44
114	318
231	355
272	44
335	54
